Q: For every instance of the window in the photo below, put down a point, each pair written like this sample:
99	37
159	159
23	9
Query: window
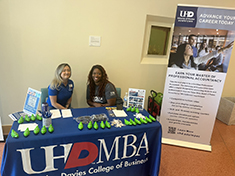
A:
157	40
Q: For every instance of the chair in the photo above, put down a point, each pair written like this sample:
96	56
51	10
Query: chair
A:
118	91
44	95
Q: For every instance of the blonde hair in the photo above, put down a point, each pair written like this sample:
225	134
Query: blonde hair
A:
56	82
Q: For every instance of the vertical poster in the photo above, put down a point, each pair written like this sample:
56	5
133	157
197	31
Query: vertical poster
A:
200	53
31	101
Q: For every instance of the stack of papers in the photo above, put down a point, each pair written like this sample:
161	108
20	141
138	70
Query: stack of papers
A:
23	127
55	113
119	113
66	113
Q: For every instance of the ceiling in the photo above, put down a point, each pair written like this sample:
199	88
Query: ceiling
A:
199	31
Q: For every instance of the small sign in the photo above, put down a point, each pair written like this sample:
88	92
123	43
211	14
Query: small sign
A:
136	98
94	40
31	101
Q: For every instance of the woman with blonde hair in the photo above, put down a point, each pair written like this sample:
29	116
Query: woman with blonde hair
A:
61	88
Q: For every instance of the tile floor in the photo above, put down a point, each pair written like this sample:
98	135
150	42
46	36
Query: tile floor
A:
179	161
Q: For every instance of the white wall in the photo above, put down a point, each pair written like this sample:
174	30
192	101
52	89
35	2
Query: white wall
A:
37	35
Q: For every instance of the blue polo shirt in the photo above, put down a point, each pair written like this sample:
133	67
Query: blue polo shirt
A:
63	93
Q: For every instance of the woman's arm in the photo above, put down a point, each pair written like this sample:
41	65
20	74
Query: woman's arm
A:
89	102
205	58
110	95
54	102
110	102
93	104
68	102
226	47
199	60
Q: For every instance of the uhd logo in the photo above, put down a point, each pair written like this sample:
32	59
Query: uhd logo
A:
72	152
188	14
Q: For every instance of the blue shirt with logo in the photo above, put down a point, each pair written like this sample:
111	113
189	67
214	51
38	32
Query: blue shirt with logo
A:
63	93
110	92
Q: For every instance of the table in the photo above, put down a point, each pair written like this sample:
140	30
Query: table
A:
130	150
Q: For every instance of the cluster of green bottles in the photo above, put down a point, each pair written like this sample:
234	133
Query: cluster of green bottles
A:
149	119
103	125
44	129
133	109
26	133
28	119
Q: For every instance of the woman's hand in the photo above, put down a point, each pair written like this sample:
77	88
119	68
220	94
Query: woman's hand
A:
230	45
55	104
97	104
67	106
93	104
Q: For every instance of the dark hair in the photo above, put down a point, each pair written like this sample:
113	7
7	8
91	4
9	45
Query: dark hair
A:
201	48
192	35
179	57
102	84
217	47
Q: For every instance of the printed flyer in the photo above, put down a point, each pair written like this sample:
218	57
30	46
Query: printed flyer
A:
136	98
31	101
200	53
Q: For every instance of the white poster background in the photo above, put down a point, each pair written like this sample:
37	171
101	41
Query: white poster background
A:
190	104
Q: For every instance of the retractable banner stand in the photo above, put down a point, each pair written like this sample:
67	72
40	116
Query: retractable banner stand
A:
200	53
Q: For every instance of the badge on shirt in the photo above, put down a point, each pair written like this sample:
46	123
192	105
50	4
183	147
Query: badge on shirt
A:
112	94
70	87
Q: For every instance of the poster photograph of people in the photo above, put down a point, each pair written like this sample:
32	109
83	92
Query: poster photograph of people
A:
201	49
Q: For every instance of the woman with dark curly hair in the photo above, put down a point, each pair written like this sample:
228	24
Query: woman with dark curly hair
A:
100	91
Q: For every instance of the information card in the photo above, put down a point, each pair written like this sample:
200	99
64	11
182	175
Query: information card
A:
136	98
32	101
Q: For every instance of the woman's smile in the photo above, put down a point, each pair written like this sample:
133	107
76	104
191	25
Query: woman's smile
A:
96	75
